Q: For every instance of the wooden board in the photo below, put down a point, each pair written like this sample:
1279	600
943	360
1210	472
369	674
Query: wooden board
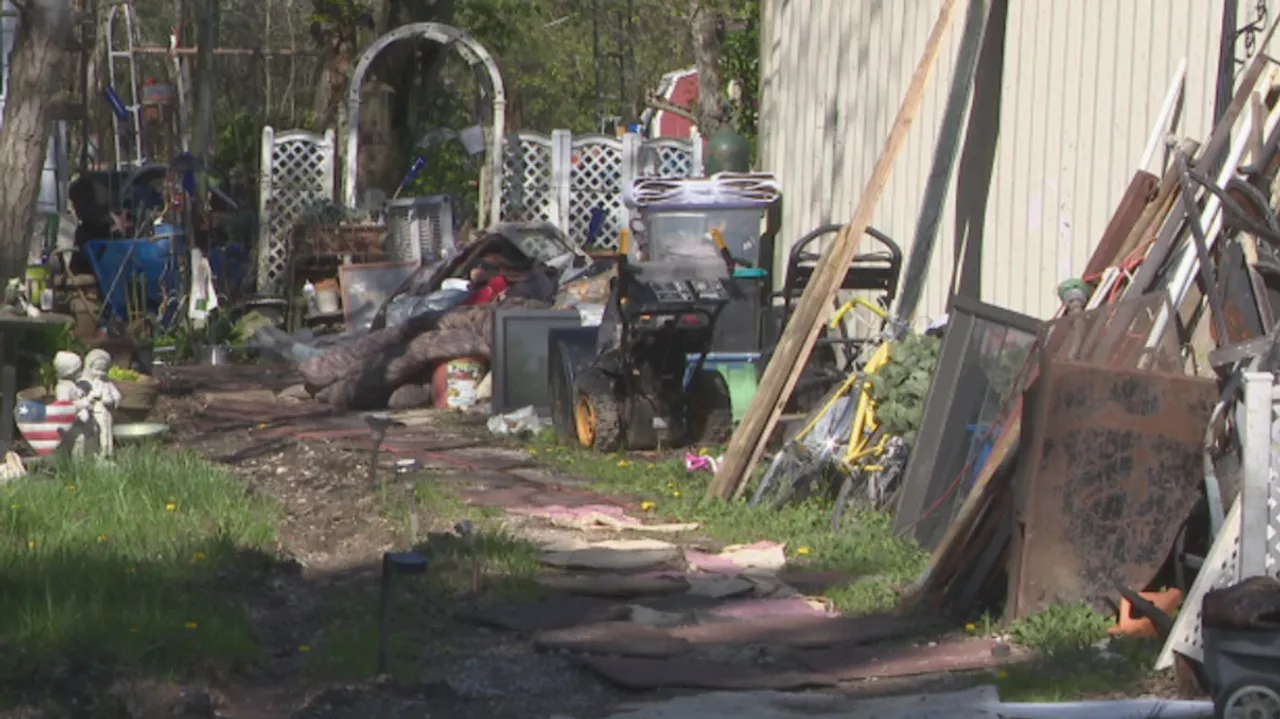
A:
815	305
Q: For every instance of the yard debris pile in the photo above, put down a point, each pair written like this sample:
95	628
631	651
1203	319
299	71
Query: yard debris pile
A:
1102	473
1091	459
444	312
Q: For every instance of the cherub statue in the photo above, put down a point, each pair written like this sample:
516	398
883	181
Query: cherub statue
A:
68	366
101	396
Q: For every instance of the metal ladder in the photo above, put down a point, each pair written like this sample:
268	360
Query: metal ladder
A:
128	95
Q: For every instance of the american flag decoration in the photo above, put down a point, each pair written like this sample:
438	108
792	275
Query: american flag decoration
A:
43	425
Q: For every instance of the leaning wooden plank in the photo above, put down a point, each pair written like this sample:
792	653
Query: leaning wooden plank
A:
1004	449
815	305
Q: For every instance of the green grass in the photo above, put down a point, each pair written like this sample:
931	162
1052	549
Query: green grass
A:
424	606
869	550
129	564
1070	664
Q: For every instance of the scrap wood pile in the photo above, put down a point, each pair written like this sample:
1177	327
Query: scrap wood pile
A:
1106	473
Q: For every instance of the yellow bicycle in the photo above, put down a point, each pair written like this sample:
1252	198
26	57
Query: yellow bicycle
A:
841	439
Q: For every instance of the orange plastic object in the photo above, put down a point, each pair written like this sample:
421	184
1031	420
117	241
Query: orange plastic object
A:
1128	625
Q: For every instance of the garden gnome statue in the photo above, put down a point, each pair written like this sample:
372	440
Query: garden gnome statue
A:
67	365
103	396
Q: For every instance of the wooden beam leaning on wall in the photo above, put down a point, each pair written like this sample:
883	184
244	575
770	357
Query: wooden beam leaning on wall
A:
815	305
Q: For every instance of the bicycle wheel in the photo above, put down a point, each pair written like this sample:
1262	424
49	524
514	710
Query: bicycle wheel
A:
792	468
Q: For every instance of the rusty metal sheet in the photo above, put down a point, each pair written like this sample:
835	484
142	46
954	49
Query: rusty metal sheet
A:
1243	315
1115	335
1110	470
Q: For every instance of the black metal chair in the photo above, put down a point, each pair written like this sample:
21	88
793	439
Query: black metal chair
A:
878	271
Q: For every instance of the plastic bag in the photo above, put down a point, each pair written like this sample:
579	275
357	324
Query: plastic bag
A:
405	307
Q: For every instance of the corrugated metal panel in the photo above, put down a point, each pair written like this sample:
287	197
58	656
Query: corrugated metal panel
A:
1082	83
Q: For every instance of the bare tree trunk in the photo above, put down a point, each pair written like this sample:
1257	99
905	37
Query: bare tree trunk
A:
36	68
708	23
336	60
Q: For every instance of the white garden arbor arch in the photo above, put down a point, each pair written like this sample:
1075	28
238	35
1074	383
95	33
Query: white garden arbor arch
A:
475	54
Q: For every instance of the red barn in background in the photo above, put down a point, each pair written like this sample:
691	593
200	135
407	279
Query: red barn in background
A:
679	88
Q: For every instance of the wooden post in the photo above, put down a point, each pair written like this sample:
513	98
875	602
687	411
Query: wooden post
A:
814	307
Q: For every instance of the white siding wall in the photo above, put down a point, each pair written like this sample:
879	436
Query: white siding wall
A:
1082	83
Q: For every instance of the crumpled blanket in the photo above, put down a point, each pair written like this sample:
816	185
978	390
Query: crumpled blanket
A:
364	373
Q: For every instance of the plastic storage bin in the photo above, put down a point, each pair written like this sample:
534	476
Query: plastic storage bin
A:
682	235
740	371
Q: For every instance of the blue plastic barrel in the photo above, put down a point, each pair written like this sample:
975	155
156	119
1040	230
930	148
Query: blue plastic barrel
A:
118	264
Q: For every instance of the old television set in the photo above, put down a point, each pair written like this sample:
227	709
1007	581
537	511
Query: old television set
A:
519	362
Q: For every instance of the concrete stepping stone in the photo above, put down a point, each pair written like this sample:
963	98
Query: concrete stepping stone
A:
634	673
614	585
624	639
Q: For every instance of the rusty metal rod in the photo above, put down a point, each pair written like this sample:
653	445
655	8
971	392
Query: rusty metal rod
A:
241	51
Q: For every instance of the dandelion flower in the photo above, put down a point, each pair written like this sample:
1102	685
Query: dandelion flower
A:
304	648
675	493
199	556
31	544
1002	674
703	452
192	625
971	627
623	463
647	506
102	537
802	551
170	507
533	451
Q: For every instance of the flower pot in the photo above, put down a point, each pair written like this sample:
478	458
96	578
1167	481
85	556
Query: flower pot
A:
137	399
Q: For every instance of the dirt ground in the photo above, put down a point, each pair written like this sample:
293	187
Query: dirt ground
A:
333	535
334	531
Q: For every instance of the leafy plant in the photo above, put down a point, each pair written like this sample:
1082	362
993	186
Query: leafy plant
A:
901	387
741	64
123	374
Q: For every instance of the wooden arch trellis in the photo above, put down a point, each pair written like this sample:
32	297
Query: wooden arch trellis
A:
471	51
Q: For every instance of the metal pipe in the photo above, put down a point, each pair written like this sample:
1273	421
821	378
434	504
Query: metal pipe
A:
1188	263
1171	100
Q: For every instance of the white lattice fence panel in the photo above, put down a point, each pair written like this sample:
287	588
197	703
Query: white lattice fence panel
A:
595	180
1222	568
1219	570
527	189
297	173
561	179
674	158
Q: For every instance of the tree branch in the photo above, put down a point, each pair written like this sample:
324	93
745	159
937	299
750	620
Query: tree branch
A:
658	103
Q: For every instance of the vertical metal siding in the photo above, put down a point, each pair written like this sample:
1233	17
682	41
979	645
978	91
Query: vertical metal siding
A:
1082	83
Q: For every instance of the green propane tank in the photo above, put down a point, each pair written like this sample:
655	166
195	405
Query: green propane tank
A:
727	151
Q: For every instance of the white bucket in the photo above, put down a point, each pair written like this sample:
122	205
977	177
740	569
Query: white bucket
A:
327	302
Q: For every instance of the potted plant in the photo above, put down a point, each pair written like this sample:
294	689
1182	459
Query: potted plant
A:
138	394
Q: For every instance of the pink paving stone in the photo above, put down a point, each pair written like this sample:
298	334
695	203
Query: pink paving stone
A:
716	564
577	513
747	609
